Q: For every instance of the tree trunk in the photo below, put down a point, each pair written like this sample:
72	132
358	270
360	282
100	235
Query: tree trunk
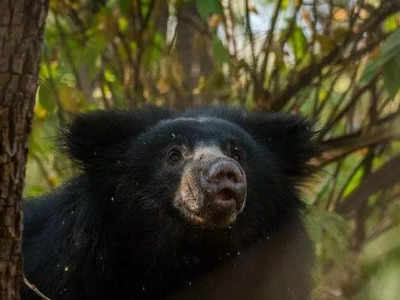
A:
193	44
21	34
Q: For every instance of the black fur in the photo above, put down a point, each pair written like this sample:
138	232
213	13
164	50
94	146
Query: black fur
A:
113	233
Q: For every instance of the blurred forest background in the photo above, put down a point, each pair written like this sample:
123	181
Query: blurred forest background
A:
334	61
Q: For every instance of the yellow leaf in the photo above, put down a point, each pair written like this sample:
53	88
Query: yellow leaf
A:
53	179
214	21
70	99
364	14
340	14
343	84
40	112
200	86
123	24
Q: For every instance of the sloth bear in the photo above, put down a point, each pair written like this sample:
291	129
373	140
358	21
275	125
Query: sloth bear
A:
196	205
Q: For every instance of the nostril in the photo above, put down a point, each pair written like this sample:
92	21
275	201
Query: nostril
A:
219	176
223	171
233	176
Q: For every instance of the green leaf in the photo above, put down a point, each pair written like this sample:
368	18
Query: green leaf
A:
123	24
354	182
219	51
124	5
152	54
46	96
390	52
392	42
34	191
208	7
285	4
391	76
109	75
390	23
298	42
370	71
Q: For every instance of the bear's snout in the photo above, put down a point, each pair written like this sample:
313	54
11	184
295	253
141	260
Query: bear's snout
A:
224	184
213	190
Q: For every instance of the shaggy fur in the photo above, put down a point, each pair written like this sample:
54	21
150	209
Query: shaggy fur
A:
113	233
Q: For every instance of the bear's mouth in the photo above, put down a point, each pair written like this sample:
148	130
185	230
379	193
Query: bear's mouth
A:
219	212
217	219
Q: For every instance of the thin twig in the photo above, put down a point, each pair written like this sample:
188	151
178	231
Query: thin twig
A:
34	289
268	41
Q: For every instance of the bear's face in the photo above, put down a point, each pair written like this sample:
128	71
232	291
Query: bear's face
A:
209	169
198	167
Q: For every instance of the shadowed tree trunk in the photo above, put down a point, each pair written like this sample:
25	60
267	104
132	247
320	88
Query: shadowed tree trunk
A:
193	45
21	35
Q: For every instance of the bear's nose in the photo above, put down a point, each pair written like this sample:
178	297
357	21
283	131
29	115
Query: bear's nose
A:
223	170
224	182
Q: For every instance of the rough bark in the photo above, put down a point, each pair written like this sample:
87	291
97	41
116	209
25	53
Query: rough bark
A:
21	35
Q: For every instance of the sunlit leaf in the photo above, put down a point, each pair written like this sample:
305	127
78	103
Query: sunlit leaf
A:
340	14
34	191
354	182
71	98
299	43
40	112
200	86
342	84
123	24
214	21
109	75
391	23
46	96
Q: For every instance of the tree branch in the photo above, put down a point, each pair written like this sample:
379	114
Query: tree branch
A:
306	75
385	177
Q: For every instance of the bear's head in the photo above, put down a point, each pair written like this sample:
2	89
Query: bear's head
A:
214	170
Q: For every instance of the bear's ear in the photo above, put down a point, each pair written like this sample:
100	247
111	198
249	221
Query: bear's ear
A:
291	138
100	136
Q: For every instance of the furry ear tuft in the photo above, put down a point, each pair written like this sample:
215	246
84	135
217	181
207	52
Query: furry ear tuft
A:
99	136
290	137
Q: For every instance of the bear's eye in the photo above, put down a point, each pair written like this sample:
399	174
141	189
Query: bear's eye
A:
174	156
236	153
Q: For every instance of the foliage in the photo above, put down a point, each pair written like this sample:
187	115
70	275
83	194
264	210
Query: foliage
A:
337	62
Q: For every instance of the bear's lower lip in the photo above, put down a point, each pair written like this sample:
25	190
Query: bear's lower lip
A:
224	205
216	219
221	215
212	222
